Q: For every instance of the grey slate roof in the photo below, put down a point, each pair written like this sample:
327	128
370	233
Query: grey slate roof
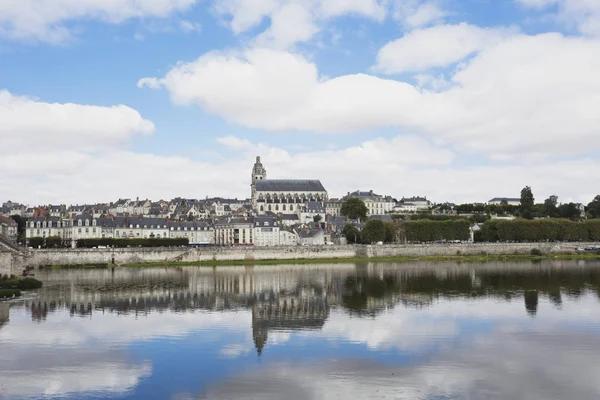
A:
315	207
288	185
265	221
382	218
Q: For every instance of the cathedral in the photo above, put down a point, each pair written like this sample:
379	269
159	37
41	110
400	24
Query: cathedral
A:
283	196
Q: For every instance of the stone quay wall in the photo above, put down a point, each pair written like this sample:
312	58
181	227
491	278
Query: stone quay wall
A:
11	263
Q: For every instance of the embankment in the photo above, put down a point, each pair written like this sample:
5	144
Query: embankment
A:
75	257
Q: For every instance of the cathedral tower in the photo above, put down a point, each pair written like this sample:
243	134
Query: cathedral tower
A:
258	173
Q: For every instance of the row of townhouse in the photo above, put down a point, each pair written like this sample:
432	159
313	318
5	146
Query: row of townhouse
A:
88	227
255	231
378	204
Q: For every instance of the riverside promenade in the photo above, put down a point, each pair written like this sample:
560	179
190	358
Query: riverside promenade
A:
11	262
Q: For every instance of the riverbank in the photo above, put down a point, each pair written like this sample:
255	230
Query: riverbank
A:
404	259
211	256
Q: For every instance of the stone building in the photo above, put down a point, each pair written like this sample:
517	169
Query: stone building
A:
8	228
282	196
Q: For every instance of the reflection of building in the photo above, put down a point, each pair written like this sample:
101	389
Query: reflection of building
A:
305	310
4	314
292	298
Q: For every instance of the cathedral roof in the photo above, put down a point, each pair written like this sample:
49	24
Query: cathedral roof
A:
288	185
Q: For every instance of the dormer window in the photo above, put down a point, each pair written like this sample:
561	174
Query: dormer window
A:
49	224
87	222
94	223
44	224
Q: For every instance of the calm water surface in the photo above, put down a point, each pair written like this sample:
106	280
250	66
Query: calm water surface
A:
349	331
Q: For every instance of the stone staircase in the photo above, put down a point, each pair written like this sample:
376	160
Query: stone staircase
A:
9	245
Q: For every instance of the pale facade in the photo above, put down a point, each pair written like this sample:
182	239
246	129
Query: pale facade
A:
288	238
376	203
266	232
405	208
333	207
421	203
234	231
496	201
88	227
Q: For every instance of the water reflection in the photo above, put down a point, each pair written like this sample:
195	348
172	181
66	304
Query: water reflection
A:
415	330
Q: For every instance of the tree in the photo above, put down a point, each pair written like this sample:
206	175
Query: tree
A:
550	207
354	208
317	218
527	202
21	222
352	233
373	232
593	208
570	211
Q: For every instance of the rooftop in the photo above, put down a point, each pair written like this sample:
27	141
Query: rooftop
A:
287	185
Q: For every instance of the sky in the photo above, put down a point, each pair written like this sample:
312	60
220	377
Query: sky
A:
458	101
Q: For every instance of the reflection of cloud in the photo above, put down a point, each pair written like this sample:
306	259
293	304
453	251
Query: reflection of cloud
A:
410	329
502	365
74	355
62	329
234	350
55	370
279	337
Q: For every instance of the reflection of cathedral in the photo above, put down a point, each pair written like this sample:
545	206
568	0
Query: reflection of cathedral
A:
288	313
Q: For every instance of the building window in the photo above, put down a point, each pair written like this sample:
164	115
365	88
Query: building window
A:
94	230
78	230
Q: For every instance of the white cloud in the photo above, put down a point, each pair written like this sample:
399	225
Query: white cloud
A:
582	14
417	13
533	95
232	142
30	124
292	21
438	46
46	20
189	26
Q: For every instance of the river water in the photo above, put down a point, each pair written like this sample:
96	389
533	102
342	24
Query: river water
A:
347	331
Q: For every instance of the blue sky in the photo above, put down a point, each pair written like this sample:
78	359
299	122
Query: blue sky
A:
455	100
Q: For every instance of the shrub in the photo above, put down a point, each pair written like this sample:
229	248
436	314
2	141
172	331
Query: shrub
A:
9	293
536	252
29	283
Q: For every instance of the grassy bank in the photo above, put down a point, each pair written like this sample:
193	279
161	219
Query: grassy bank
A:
455	258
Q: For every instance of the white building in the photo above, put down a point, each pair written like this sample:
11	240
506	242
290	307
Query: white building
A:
421	203
333	207
282	195
266	232
511	201
405	208
234	231
376	204
288	238
87	227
